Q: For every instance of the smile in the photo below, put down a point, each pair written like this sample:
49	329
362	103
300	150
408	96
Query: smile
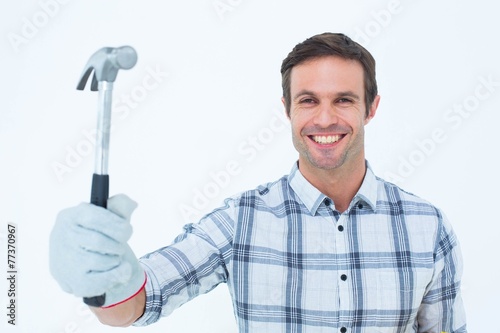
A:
325	139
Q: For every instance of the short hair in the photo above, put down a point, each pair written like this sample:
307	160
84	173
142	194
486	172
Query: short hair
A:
330	44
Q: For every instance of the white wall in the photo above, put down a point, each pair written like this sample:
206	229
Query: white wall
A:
217	86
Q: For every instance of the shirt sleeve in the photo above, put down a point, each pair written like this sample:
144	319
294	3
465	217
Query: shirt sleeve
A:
194	264
442	308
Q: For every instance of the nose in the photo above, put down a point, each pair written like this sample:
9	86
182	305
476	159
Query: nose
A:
325	115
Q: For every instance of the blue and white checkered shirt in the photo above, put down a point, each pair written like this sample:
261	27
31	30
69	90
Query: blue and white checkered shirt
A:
389	263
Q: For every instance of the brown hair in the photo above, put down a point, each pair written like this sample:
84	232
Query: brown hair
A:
330	44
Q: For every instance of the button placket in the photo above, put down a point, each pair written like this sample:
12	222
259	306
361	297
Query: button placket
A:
343	275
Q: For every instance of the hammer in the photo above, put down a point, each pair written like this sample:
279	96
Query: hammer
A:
105	64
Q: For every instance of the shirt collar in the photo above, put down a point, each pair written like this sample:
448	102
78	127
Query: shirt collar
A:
312	197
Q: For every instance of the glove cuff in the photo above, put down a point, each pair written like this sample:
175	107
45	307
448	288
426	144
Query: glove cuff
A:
129	298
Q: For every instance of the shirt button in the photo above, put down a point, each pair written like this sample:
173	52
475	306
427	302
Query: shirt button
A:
360	206
343	277
343	330
340	228
327	202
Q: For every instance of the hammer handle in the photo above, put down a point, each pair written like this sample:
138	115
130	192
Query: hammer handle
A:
100	190
99	197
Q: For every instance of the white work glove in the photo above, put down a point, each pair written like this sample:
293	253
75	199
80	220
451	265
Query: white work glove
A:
89	254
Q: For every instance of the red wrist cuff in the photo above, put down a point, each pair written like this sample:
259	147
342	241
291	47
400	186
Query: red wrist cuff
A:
138	291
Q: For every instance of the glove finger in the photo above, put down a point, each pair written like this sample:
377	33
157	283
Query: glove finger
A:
94	263
81	262
96	218
94	241
99	282
122	205
75	272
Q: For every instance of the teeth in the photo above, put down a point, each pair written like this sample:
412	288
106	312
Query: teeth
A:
326	139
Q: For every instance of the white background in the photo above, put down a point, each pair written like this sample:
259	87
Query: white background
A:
217	91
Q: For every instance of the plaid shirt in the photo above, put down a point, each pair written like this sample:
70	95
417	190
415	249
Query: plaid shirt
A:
389	263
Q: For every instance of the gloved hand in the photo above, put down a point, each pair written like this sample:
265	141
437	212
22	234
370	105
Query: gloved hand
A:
89	254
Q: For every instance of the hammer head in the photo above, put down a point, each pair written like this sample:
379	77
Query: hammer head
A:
105	63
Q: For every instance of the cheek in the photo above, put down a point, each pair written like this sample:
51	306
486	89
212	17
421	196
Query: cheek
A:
355	119
301	118
295	122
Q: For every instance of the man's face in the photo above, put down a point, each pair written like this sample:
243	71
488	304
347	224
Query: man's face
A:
328	113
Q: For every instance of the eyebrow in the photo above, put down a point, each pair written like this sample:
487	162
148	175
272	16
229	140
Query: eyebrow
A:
348	93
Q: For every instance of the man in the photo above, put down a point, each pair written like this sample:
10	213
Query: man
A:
328	248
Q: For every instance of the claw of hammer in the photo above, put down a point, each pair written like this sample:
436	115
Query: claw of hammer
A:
105	64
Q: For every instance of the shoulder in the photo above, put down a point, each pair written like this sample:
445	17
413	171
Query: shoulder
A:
269	193
266	197
393	195
418	215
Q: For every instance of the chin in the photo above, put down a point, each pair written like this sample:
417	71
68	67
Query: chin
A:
325	164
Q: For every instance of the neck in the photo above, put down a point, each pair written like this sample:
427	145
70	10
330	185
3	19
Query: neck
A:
339	184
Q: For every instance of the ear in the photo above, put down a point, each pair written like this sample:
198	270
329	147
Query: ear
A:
373	109
284	104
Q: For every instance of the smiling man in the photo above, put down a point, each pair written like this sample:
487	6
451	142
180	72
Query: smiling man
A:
328	114
328	248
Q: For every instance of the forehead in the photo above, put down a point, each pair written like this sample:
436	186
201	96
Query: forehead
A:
328	73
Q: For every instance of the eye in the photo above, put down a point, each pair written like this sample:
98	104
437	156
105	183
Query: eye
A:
344	100
307	101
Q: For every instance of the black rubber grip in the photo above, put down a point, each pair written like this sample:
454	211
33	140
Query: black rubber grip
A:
100	190
96	301
99	196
